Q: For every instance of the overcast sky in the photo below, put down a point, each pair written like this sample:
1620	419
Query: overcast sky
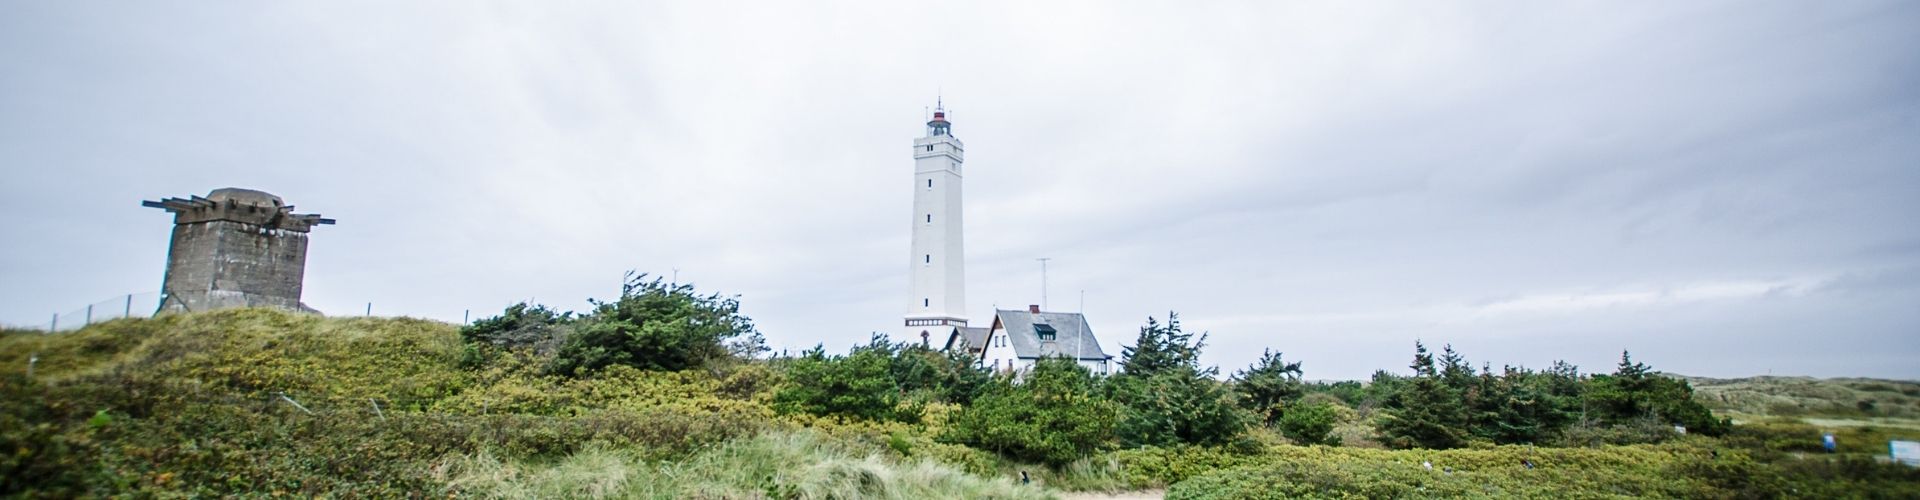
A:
1723	188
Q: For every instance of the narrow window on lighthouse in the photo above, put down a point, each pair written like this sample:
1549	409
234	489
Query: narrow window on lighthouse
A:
929	258
926	302
929	218
929	147
929	183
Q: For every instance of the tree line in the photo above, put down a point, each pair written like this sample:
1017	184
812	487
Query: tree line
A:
1059	412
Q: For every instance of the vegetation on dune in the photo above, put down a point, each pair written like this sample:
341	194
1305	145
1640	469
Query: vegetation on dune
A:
1054	416
662	393
1169	397
1696	467
1804	396
777	465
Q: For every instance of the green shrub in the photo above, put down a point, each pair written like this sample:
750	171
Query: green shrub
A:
520	326
858	385
1309	423
657	326
1054	416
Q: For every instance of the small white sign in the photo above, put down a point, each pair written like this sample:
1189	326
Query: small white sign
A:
1906	452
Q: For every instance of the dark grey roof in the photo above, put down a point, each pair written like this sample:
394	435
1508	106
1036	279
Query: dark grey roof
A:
968	338
1073	338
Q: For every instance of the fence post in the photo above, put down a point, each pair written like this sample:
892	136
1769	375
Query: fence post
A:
31	360
376	409
369	309
464	316
56	324
89	319
129	312
296	404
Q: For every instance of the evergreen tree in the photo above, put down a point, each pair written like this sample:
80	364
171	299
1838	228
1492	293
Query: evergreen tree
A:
1634	392
1266	387
1169	398
1425	413
1161	347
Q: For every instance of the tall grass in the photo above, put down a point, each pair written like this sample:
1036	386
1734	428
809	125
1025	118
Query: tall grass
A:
776	465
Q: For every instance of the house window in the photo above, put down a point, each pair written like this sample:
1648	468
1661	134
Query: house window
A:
1045	332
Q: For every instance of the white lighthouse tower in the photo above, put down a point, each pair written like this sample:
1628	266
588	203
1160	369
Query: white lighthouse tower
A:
937	298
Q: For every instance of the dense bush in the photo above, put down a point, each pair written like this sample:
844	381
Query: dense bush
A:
930	375
1634	392
520	326
658	326
1309	424
857	385
881	380
1444	404
1053	416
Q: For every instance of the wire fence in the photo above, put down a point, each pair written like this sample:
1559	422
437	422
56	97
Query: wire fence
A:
144	304
132	305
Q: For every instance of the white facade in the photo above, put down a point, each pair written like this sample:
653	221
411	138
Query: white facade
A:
937	295
1000	358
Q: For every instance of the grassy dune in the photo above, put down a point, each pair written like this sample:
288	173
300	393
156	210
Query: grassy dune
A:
1838	398
201	405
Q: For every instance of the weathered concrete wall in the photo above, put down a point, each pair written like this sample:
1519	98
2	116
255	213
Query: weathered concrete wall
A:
235	248
221	264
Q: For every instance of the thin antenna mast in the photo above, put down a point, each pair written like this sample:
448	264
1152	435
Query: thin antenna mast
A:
1043	281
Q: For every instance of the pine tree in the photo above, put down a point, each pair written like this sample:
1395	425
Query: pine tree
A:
1160	348
1425	413
1169	398
1269	385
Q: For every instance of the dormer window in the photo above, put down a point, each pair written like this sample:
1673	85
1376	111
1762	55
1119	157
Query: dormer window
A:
1045	332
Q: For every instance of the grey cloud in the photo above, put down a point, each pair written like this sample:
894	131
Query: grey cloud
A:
1329	181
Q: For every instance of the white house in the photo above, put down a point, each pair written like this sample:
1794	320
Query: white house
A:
1019	338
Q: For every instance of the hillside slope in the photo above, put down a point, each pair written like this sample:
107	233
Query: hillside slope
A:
261	402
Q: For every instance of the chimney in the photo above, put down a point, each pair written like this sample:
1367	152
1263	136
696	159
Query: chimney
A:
1033	308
